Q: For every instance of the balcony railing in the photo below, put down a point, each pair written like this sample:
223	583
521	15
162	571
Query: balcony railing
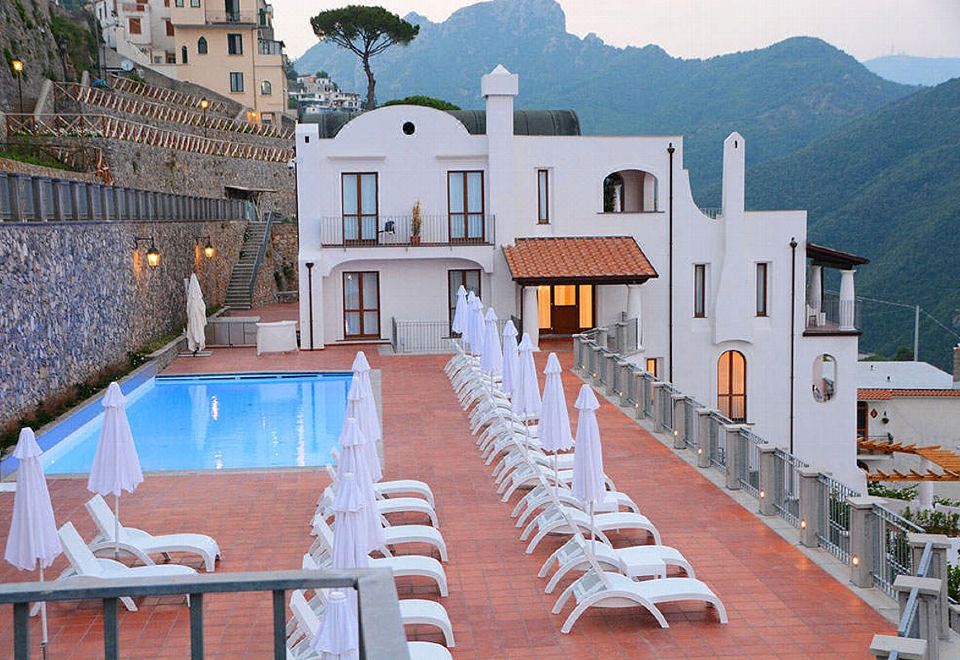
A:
399	231
222	16
835	315
269	47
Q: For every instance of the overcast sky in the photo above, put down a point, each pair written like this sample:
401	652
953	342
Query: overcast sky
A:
702	28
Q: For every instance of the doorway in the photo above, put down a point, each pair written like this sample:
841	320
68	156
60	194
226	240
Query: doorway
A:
565	309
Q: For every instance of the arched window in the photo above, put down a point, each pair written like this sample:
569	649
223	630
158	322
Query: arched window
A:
266	89
824	378
732	386
183	54
202	46
629	191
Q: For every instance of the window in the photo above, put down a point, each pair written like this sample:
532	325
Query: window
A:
700	291
732	386
543	197
235	44
266	89
361	304
178	3
360	207
135	26
762	289
465	206
468	279
170	57
202	46
630	191
236	81
824	378
194	3
863	420
183	54
169	27
652	366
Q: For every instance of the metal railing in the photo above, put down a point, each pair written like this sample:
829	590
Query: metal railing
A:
646	393
837	314
418	337
269	47
718	439
711	211
380	627
786	486
27	198
691	427
909	624
167	95
622	337
891	551
665	394
236	16
834	517
374	230
748	469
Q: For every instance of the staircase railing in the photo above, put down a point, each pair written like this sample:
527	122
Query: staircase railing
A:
166	95
261	250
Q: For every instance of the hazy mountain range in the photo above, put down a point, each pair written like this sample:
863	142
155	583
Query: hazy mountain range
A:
911	70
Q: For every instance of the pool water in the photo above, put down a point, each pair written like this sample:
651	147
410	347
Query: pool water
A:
221	422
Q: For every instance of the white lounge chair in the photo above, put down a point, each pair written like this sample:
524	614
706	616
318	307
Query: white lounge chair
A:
142	544
399	534
83	564
567	520
545	495
386	507
394	487
528	477
607	589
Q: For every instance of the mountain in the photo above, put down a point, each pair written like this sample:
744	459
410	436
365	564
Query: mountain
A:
886	186
780	98
910	70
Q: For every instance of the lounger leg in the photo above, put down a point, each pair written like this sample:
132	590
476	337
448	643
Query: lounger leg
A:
558	606
546	565
721	610
563	570
128	603
536	539
528	530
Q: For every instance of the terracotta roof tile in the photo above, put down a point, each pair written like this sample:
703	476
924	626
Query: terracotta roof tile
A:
885	394
613	259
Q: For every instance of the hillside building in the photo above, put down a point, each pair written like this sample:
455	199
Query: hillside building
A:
400	206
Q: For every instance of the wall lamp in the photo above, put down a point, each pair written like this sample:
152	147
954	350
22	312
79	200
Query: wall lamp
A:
153	254
208	249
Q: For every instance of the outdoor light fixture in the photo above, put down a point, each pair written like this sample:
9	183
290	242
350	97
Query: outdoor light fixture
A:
208	249
803	524
699	450
855	560
204	104
153	254
16	66
762	494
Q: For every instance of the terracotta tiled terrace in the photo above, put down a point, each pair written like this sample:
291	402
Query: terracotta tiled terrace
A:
780	604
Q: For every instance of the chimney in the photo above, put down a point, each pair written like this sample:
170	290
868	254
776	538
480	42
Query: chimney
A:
956	367
499	88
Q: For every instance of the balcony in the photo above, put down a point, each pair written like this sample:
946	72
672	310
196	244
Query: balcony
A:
398	230
269	47
231	17
835	316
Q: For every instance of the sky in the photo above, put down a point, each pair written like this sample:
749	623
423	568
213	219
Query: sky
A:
703	28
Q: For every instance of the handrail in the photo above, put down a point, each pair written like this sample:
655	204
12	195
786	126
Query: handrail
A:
166	95
261	250
908	619
380	626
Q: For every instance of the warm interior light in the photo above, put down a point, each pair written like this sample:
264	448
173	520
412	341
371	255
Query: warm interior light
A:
153	256
209	250
17	65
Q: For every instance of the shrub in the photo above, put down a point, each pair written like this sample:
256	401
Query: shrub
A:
879	490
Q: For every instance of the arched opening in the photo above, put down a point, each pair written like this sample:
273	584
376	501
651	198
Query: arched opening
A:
732	386
629	191
824	378
202	46
183	54
266	89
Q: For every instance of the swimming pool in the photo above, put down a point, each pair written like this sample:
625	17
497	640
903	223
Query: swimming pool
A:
221	422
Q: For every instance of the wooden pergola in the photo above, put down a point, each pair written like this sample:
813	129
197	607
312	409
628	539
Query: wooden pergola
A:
947	460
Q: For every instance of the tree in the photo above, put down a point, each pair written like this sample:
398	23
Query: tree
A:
427	101
321	74
365	31
903	354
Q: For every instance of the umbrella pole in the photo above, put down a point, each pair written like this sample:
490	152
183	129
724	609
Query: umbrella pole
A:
116	526
556	474
43	621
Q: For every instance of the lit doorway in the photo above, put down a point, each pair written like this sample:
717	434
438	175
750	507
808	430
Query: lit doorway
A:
565	309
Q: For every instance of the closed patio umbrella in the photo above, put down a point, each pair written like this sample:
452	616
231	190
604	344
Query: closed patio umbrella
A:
588	483
467	319
526	390
196	316
460	311
116	465
353	460
362	406
491	362
33	535
510	358
476	327
554	428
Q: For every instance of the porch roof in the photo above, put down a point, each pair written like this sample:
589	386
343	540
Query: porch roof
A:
578	260
832	258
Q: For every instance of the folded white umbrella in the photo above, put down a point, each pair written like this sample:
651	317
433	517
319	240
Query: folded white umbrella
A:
510	358
526	390
467	317
33	534
362	407
338	636
460	311
476	327
588	482
196	316
116	465
353	460
554	429
491	362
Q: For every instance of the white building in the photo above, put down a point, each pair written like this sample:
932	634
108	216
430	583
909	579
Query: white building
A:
568	232
319	94
139	31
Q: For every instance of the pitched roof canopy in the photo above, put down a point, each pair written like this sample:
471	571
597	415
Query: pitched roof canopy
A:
831	258
578	260
885	394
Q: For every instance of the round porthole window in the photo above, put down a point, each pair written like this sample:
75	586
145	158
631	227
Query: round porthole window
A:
409	128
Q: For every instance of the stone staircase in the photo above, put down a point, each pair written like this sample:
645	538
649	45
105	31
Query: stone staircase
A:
244	275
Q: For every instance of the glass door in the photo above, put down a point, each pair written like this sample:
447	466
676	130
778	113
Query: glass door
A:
361	305
359	192
465	206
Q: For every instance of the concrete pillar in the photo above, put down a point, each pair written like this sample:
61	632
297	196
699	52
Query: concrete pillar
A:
531	320
706	443
734	455
847	300
810	512
768	479
939	544
925	488
907	648
658	393
862	529
635	311
679	421
815	291
928	608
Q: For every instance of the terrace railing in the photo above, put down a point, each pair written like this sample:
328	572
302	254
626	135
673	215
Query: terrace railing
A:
786	486
833	533
166	95
419	337
401	231
891	550
381	630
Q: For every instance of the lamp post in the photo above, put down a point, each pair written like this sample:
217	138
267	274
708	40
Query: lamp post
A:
16	65
204	104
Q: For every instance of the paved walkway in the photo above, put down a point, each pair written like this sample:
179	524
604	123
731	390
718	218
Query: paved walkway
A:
780	604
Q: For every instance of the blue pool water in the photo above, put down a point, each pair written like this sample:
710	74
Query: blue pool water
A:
221	422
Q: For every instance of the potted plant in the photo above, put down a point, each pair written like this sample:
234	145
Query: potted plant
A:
415	224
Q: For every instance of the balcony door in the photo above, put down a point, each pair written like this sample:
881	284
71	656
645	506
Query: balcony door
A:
360	208
469	280
361	305
465	206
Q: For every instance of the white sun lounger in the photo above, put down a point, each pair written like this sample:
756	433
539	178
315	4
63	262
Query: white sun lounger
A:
386	507
541	496
527	477
83	564
607	589
399	534
393	487
142	544
555	521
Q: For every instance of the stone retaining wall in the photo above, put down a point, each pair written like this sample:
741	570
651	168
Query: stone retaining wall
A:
7	165
279	270
77	297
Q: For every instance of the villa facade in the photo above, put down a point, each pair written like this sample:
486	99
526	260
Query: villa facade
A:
399	206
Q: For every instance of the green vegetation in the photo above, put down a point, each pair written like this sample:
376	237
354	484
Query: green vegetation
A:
876	489
953	581
81	43
934	522
427	101
33	154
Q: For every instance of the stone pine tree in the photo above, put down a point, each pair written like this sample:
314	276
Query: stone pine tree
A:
365	31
